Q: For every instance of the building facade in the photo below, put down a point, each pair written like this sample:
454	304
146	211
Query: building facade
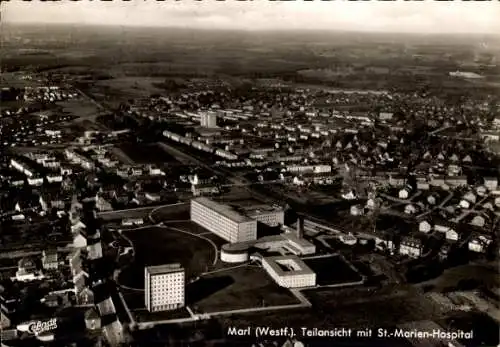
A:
223	221
270	216
289	271
208	120
164	287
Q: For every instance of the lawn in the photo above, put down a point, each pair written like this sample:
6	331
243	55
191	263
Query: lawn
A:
332	270
471	274
144	315
79	108
146	153
243	287
156	246
233	289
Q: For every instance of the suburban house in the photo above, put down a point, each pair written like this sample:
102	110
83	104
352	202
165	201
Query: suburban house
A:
479	243
491	183
478	221
411	246
424	226
456	181
357	210
481	191
410	209
405	192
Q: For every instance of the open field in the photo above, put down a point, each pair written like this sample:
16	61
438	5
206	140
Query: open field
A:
134	86
144	154
156	246
352	307
122	156
80	108
333	270
173	213
237	288
243	287
466	275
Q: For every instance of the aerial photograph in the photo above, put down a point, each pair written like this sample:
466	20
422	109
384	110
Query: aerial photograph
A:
249	173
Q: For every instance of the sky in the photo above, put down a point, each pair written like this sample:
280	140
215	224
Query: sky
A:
399	16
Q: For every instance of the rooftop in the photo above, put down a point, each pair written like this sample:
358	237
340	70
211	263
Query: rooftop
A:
225	210
162	269
256	210
288	265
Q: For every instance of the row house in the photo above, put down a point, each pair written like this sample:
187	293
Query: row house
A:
411	246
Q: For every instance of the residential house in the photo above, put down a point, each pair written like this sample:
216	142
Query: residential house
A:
92	319
385	241
452	235
405	192
372	204
427	155
479	243
444	251
437	181
456	181
445	227
50	260
95	251
396	181
424	226
79	241
491	183
357	210
478	221
423	185
410	209
432	199
481	191
132	221
468	200
81	281
411	246
489	206
5	320
204	189
86	297
467	159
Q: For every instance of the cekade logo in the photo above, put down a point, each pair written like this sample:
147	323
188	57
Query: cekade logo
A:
40	327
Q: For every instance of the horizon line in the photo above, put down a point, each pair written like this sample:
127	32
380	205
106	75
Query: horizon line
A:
242	30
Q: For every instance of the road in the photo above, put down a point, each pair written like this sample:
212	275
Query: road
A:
121	214
233	179
398	200
441	205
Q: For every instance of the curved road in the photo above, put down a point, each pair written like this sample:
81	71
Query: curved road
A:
161	225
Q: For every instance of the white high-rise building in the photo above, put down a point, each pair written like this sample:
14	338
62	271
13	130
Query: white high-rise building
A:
208	120
164	287
223	221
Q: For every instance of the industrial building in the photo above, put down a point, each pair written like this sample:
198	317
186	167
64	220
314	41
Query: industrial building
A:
289	271
223	220
164	287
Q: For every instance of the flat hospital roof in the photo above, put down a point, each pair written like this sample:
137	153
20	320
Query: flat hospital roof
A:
299	263
166	268
225	210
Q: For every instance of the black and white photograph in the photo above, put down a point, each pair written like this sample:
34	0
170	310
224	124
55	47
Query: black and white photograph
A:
249	173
